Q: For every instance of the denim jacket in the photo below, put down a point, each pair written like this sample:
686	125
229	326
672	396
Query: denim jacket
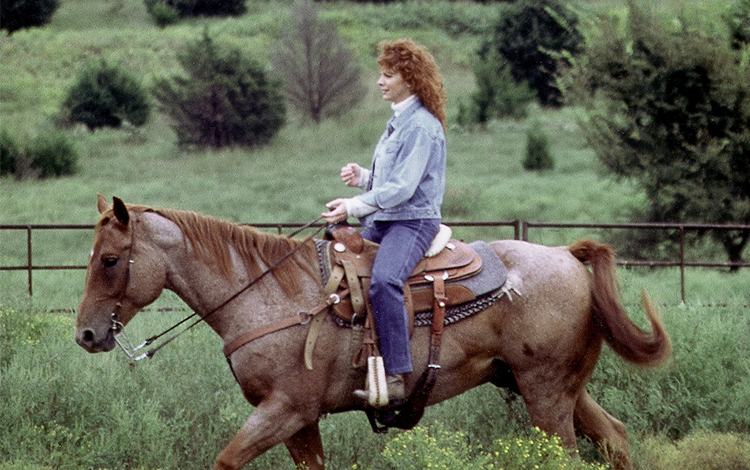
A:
407	178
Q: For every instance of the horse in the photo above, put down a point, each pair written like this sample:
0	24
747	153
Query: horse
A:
547	336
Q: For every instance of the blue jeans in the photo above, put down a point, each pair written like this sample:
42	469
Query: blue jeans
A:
403	243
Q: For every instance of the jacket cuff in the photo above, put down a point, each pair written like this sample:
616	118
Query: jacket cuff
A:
357	208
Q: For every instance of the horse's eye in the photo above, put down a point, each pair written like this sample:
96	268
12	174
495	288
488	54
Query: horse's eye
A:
110	261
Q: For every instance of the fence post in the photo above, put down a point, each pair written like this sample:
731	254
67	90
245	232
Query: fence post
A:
682	262
29	264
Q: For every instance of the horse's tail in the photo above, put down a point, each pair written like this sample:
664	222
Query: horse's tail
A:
642	347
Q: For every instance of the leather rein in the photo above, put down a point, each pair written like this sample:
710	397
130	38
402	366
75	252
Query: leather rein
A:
302	318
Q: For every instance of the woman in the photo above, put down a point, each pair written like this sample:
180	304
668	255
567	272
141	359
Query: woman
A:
400	208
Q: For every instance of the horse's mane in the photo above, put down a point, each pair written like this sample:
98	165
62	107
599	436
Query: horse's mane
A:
212	237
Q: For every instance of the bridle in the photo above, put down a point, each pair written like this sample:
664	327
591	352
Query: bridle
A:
118	329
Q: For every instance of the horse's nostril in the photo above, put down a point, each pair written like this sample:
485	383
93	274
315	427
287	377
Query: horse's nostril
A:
88	336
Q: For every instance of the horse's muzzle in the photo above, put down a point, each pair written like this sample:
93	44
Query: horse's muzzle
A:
93	343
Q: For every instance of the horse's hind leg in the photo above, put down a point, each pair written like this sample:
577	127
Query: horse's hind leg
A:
549	409
605	430
306	448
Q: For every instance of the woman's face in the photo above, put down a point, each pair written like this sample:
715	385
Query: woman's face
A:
393	87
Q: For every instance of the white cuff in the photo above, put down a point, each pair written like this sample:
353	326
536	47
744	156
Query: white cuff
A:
357	208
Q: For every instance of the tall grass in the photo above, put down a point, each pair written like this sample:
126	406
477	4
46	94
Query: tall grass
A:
63	408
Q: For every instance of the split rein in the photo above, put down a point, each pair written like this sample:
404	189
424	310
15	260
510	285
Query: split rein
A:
118	329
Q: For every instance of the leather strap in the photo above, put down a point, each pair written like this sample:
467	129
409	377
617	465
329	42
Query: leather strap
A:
358	300
300	319
317	321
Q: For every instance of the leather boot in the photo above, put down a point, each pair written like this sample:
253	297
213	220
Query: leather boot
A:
396	389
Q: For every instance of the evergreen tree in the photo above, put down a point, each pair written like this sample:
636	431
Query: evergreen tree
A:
671	112
227	98
531	36
105	96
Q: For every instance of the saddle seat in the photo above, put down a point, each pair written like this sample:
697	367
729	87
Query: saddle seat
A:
456	261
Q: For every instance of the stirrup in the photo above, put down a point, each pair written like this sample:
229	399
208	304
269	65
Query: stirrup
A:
376	387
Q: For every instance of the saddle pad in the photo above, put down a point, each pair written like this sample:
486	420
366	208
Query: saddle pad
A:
493	274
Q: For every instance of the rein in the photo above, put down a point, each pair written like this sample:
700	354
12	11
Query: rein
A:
131	351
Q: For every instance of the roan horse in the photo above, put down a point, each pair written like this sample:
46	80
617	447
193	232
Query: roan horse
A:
549	336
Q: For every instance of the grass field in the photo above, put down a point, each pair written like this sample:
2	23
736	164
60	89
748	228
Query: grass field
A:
65	409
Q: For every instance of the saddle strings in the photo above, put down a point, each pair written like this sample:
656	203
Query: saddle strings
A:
150	340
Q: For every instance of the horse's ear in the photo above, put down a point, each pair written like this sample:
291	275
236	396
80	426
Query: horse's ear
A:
101	204
121	212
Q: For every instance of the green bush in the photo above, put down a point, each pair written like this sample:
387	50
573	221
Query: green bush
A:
163	14
538	156
189	8
49	154
498	95
228	99
738	23
669	110
532	36
21	14
53	154
9	153
106	96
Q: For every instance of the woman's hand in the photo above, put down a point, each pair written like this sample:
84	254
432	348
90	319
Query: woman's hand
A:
337	211
351	174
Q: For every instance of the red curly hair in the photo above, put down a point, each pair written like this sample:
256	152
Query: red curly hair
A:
419	70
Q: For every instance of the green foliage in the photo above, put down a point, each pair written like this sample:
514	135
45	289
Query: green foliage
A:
106	96
704	387
497	94
228	99
700	451
436	448
538	156
50	154
322	77
163	13
532	36
53	154
9	153
670	110
738	22
189	8
21	14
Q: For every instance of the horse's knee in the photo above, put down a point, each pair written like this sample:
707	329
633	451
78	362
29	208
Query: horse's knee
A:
222	463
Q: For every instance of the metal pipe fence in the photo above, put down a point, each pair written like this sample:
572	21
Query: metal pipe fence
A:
521	231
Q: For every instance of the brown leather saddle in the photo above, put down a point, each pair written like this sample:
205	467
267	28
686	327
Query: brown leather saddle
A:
352	259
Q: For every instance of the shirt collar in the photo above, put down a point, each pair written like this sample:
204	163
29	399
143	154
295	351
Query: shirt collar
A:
400	107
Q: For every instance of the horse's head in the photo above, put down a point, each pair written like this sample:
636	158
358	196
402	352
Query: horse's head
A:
121	278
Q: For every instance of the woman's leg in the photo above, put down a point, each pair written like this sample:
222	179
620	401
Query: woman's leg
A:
402	246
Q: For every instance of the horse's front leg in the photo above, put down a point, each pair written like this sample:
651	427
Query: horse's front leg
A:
274	421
